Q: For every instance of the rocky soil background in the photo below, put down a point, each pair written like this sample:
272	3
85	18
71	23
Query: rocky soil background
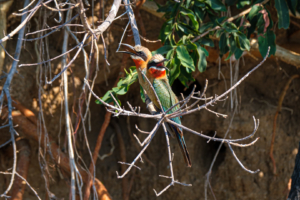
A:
258	96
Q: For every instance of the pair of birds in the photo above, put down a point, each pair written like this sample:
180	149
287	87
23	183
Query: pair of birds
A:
154	69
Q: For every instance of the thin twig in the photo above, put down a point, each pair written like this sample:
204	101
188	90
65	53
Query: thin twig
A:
23	22
280	101
170	165
66	104
6	91
32	189
216	154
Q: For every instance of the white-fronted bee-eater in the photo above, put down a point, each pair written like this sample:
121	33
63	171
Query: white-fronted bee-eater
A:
156	73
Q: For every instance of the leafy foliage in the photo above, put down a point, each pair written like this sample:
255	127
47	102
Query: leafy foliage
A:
188	19
187	54
122	87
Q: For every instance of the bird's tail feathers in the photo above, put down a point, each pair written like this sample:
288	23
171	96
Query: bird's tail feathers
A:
183	148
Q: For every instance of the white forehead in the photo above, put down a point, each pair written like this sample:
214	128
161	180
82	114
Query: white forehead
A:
136	57
157	58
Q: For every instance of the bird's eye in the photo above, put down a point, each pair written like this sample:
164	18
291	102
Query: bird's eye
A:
141	53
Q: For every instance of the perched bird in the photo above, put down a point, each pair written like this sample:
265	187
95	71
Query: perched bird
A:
156	73
154	69
140	56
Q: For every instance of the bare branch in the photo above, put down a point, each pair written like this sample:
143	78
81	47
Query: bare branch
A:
6	91
60	26
32	189
109	19
250	171
73	59
134	27
171	166
23	23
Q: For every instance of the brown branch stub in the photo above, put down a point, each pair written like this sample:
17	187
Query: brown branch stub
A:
24	154
280	101
25	111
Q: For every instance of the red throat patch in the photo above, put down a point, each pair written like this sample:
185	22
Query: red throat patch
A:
138	63
157	73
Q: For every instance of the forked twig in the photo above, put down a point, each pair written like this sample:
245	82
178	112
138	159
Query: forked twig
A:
173	181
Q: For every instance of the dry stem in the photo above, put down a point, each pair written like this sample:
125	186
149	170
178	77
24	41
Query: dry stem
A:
280	101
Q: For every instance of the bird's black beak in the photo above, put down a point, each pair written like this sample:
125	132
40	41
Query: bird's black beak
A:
166	68
164	60
131	50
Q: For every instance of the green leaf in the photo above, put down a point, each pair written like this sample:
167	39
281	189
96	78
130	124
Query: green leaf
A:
186	60
223	45
292	6
229	55
191	15
268	39
254	11
166	30
170	54
199	13
185	28
243	41
185	77
238	53
163	50
199	4
174	70
206	26
188	3
230	27
175	10
282	13
120	90
271	21
202	53
107	97
122	86
216	5
231	42
206	42
191	46
242	3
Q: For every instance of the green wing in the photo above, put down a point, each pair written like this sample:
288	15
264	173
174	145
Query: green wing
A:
167	99
165	94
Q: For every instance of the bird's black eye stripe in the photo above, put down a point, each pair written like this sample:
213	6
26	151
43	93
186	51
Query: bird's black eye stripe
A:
142	55
152	63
